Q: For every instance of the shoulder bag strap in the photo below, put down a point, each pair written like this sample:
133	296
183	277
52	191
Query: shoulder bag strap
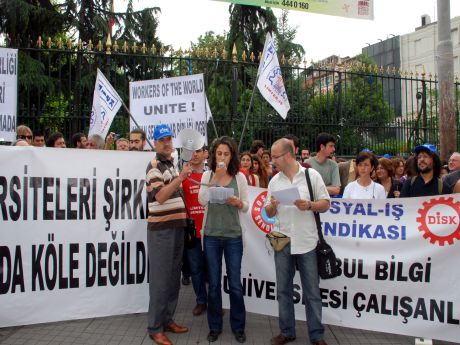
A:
316	214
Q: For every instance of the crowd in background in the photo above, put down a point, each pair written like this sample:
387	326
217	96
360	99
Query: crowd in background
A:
364	173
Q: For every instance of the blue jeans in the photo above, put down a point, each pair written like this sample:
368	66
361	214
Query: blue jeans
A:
285	264
232	250
195	257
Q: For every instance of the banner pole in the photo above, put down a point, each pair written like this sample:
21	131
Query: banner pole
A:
137	125
247	113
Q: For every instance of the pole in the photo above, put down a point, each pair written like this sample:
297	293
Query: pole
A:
137	125
447	120
247	113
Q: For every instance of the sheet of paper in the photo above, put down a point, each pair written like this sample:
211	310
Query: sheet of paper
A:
219	195
287	196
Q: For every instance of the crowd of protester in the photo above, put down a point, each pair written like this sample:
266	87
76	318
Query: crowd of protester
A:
219	232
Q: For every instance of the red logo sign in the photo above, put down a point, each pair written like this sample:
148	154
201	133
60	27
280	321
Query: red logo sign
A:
259	216
440	220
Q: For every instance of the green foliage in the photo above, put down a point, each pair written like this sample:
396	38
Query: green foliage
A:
24	20
248	27
285	39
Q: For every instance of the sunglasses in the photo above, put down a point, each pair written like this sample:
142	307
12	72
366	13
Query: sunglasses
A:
29	137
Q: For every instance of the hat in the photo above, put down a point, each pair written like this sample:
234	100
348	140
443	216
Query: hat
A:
161	131
365	150
387	155
430	148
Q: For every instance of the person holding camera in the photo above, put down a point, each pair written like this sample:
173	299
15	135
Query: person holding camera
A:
165	236
223	236
195	255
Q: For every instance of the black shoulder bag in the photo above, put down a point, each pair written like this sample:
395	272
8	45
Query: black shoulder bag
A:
328	265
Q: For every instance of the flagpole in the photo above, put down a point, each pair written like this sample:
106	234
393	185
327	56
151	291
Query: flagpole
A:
247	113
137	125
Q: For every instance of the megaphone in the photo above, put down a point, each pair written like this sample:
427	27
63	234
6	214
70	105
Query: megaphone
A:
189	140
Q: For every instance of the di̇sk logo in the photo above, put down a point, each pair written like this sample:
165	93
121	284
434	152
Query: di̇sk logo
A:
440	220
259	216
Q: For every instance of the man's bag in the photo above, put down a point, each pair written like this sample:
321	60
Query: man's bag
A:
189	233
278	240
328	265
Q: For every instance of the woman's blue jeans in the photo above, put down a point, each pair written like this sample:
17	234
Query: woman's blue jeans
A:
232	250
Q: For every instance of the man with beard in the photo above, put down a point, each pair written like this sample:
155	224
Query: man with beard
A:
427	181
137	139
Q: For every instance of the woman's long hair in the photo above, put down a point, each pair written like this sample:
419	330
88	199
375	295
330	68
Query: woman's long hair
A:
234	164
261	172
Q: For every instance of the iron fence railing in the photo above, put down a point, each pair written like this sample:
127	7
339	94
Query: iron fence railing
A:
364	106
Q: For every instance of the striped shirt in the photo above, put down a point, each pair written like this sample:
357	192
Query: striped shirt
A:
170	214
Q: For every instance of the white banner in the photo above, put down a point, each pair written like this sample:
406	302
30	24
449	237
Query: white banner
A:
270	79
106	103
179	102
399	260
72	241
73	246
8	93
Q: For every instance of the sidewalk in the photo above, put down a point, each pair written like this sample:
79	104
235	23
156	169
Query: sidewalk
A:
131	329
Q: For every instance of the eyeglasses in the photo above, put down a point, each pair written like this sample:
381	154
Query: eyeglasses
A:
279	156
29	137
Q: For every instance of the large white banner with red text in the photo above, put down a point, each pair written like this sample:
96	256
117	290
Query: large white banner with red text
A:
399	265
72	246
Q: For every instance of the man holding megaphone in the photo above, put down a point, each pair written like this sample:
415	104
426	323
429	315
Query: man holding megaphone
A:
165	236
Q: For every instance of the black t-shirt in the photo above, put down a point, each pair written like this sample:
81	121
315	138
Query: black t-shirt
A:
418	187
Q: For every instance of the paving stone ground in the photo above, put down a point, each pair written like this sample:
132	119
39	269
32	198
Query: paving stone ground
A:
131	329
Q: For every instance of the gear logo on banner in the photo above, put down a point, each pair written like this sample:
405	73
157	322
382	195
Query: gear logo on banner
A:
440	220
259	216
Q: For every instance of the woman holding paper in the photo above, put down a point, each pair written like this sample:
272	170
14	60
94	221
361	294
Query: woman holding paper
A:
223	234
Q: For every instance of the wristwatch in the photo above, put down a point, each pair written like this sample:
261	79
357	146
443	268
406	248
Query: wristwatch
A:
309	205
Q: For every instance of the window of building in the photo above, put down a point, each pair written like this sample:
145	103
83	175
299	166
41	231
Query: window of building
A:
454	36
417	47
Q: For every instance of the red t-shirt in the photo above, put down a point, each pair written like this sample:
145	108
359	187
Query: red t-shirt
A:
195	209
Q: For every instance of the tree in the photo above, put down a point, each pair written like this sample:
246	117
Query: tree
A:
21	20
248	27
356	110
285	39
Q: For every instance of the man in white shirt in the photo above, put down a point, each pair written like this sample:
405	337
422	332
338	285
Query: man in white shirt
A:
297	222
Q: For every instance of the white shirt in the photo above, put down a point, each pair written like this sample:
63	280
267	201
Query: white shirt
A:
299	225
354	190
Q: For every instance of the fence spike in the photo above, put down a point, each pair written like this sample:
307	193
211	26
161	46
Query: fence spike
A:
283	60
80	44
252	57
224	54
39	42
108	45
99	45
115	46
153	49
90	45
124	47
243	56
206	53
144	48
49	44
69	44
234	54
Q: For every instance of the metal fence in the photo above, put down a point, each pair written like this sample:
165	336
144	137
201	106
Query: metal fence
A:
387	111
